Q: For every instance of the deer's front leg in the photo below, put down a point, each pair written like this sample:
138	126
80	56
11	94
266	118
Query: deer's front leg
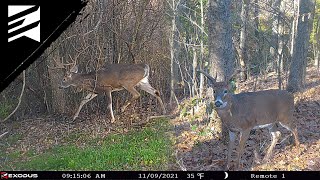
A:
232	138
109	102
88	98
244	135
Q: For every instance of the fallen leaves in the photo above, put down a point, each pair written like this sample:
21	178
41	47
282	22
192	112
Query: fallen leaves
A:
209	152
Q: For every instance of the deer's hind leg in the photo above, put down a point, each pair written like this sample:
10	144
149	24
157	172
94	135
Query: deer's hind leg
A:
288	123
275	134
135	95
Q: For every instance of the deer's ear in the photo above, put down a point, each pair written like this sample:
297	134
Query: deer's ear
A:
234	74
213	80
74	69
232	86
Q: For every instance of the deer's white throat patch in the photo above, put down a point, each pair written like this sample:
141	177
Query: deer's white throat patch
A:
224	105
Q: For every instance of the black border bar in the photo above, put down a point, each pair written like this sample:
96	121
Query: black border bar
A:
195	175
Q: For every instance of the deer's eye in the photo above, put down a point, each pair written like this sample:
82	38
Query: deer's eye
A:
225	91
64	79
214	91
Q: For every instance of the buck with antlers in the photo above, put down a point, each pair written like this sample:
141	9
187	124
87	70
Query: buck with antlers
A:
114	77
251	110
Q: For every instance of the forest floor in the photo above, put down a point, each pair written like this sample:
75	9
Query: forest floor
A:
87	143
199	145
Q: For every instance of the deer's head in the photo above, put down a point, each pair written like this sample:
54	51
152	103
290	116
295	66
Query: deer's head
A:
70	78
221	91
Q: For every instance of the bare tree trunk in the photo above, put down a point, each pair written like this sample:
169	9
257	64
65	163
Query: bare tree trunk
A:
260	53
294	25
301	45
194	74
201	51
172	49
58	100
317	50
317	43
317	55
256	18
115	53
243	58
280	43
275	34
221	56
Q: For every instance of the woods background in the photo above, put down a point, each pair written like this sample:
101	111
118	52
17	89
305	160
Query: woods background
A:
175	38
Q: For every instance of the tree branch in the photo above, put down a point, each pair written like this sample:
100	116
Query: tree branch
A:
20	98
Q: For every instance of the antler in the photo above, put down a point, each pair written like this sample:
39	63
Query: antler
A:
233	74
213	80
73	62
130	50
59	64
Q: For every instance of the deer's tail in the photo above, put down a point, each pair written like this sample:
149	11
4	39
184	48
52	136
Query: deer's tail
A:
146	70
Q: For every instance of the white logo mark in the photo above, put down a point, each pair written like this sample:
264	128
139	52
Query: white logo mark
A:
23	24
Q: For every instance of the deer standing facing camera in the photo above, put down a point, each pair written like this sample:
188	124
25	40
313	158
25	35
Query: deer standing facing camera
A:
252	110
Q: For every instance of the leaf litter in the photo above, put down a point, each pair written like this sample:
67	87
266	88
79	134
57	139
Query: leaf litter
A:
207	151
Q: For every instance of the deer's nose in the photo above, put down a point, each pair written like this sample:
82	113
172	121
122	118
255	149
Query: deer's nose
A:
218	103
